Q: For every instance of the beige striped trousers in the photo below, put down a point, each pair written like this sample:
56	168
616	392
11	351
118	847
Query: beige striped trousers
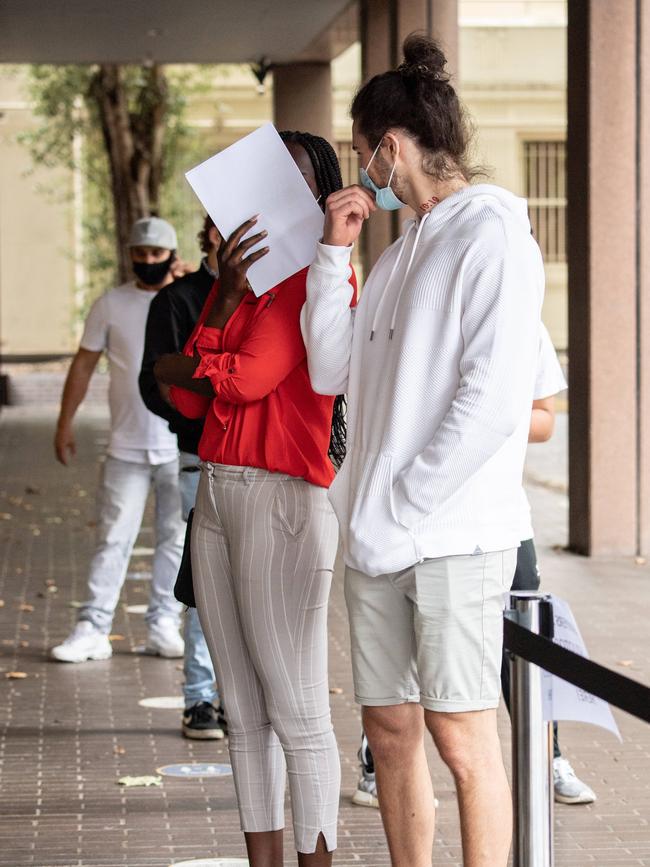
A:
263	550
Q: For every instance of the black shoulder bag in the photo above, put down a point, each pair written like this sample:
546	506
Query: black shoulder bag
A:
184	588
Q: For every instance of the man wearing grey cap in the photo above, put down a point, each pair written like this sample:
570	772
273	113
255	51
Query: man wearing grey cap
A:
142	453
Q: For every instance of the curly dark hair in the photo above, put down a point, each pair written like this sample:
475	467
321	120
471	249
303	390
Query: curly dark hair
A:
202	236
418	98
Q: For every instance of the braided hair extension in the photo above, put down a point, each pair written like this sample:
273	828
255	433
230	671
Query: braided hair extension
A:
339	432
323	158
328	180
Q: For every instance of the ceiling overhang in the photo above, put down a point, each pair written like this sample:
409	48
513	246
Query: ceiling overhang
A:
166	31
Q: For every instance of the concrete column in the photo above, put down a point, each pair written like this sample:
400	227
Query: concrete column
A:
602	244
436	18
439	20
643	261
378	53
302	98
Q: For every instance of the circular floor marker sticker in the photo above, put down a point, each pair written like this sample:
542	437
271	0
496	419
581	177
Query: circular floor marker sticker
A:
213	862
195	769
164	702
139	576
137	609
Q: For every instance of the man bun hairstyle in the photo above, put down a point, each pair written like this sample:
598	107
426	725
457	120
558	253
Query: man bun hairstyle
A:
418	98
423	58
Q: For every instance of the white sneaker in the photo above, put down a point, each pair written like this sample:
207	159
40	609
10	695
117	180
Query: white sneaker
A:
568	788
164	639
366	793
84	642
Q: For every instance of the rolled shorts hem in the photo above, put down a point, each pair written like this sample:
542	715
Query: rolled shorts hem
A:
386	702
443	705
433	704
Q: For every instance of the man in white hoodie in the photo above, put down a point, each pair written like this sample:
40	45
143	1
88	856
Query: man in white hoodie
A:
438	362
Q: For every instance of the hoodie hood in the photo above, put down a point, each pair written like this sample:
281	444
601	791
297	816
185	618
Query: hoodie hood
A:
497	199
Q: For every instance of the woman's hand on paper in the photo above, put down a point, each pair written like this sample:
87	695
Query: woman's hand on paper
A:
233	262
233	270
345	213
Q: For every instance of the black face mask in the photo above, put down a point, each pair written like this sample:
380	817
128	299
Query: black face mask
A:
152	273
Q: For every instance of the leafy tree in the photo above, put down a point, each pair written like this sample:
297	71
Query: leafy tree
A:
131	122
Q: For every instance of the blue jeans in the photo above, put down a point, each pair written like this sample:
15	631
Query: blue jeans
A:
197	666
121	501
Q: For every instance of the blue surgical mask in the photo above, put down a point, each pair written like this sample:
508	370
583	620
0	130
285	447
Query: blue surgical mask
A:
385	198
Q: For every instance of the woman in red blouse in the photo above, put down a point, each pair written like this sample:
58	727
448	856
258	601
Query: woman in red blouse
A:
264	536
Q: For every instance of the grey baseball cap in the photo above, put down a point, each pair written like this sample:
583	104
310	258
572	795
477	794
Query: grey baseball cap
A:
153	232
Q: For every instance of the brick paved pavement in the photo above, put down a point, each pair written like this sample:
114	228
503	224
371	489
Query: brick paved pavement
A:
67	733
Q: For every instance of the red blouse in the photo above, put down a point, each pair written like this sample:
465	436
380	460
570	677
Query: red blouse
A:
265	413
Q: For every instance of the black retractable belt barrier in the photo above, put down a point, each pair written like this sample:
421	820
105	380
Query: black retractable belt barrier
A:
623	692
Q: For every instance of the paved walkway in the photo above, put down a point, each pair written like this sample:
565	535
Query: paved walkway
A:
67	733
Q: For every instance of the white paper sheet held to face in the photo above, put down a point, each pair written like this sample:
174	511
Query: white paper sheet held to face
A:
257	175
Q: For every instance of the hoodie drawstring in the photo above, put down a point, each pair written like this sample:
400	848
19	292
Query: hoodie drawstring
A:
498	201
406	273
389	281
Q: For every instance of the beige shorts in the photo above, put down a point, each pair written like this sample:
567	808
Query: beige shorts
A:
432	633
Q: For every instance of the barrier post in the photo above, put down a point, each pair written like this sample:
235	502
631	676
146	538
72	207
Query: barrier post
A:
532	742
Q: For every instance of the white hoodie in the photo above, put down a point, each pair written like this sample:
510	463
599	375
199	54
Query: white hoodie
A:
438	362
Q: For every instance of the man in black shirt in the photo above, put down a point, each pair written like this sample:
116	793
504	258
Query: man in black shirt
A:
172	316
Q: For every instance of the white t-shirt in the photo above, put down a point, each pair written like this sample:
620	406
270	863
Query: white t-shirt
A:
549	381
549	378
116	324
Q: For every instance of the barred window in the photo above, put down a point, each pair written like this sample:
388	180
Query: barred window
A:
545	189
349	162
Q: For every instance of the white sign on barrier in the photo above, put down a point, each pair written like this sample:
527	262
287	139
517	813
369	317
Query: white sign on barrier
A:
562	700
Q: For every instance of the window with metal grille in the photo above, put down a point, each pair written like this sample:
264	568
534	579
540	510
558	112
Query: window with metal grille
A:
545	189
349	162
